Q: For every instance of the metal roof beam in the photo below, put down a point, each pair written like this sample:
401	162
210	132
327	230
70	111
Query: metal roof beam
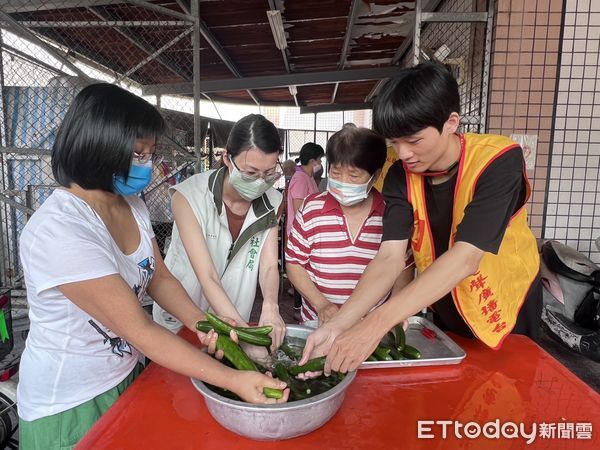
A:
334	108
156	54
284	55
406	44
185	6
375	90
21	6
107	23
32	59
21	31
351	19
195	10
135	40
334	94
220	51
274	81
447	17
162	10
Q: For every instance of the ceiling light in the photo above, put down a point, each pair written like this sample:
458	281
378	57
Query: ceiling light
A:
276	24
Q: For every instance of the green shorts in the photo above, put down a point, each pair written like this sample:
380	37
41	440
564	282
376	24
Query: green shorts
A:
63	430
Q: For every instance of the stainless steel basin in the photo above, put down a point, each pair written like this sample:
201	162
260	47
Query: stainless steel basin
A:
276	421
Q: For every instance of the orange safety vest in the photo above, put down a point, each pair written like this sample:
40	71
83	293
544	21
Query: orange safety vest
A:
390	159
489	301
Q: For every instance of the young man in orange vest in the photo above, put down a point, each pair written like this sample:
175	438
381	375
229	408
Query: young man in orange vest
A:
458	200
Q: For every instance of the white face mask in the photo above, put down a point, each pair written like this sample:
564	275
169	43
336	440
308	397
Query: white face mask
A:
348	194
248	190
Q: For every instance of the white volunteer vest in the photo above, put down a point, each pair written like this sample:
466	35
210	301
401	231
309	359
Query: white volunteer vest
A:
236	262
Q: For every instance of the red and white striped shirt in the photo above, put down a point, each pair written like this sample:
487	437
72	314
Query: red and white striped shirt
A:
321	243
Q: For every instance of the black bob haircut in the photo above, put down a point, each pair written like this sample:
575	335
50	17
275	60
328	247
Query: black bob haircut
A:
97	137
419	97
358	147
309	151
253	131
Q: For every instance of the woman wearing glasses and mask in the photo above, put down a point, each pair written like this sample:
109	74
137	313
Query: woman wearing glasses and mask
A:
89	256
225	234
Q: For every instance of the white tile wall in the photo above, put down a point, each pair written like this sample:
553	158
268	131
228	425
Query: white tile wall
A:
573	201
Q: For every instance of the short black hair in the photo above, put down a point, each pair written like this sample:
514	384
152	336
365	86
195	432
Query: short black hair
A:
309	151
419	97
253	131
96	138
358	147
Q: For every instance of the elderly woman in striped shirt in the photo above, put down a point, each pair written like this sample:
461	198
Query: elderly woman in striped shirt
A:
338	232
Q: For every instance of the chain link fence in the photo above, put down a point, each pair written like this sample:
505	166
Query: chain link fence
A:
461	46
51	50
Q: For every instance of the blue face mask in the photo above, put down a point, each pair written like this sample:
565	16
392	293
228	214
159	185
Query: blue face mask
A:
140	176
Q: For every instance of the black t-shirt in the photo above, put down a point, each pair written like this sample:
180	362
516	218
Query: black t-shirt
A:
499	193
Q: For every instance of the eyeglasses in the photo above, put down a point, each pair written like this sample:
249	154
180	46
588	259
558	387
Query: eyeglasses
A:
253	176
143	158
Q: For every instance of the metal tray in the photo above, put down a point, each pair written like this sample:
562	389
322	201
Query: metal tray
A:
434	352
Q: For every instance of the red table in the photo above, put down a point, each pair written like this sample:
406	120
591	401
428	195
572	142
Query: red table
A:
520	383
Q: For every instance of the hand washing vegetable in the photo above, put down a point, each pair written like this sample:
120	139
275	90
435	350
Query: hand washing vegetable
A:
283	364
236	356
299	389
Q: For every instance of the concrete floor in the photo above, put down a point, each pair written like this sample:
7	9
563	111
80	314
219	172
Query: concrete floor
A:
584	368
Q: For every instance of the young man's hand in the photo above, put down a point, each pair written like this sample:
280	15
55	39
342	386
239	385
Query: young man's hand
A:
319	342
352	347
